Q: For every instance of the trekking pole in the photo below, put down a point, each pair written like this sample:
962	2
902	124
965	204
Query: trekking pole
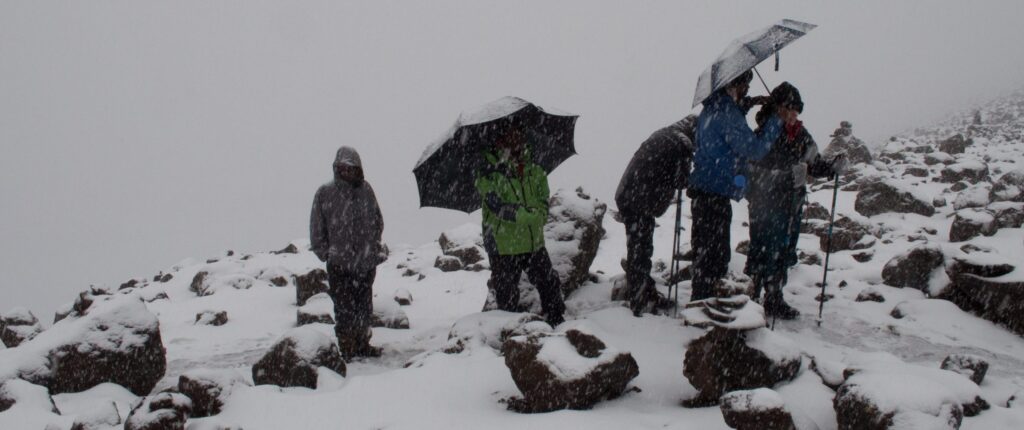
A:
828	248
676	239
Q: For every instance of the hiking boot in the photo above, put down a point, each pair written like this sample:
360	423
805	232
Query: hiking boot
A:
775	306
554	320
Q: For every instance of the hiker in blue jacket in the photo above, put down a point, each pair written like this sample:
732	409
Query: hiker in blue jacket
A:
725	146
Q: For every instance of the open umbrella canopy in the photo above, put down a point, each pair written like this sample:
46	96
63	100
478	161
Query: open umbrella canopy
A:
745	53
445	173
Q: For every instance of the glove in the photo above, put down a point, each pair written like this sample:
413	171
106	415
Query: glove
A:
747	103
839	165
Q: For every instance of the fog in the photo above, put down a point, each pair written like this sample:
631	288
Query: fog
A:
135	134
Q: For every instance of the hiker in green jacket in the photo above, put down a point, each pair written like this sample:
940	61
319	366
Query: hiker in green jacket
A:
514	193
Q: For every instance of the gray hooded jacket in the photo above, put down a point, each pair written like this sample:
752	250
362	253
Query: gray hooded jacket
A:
660	166
345	225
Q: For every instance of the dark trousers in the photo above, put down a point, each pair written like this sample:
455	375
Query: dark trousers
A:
774	231
709	237
505	272
639	249
352	293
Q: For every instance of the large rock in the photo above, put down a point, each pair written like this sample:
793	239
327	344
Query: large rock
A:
115	339
388	314
956	144
973	367
847	235
892	394
1007	214
491	329
725	360
18	325
572	235
881	197
1010	186
998	301
914	268
209	389
310	284
985	267
24	394
295	358
163	411
970	223
448	263
212	318
318	309
969	171
571	370
976	196
759	409
464	243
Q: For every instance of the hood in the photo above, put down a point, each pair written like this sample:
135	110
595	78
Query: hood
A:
347	155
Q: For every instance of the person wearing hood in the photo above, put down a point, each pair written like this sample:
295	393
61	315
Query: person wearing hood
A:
725	144
776	196
657	170
345	229
514	194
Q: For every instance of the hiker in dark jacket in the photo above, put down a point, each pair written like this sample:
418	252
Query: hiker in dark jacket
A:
776	196
345	229
514	193
725	144
657	170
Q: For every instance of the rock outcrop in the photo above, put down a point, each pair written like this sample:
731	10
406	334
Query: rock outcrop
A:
759	409
881	197
571	370
18	325
914	268
209	389
295	358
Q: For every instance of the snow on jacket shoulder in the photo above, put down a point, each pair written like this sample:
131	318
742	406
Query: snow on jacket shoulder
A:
660	166
725	144
346	224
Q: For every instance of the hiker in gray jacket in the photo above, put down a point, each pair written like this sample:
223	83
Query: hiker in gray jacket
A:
345	229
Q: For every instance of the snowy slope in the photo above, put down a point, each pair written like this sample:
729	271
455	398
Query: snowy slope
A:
466	390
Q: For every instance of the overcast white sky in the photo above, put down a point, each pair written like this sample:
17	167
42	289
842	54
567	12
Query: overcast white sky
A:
135	134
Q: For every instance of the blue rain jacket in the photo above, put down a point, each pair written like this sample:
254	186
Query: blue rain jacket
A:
725	144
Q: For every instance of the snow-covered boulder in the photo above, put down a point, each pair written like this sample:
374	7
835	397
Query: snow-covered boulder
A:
209	389
18	325
294	359
403	297
971	171
491	329
955	144
970	223
310	284
17	392
163	411
870	295
448	263
208	282
572	235
212	318
989	266
726	360
976	196
971	366
1007	214
388	314
893	394
914	268
464	243
116	339
938	158
889	196
570	370
756	409
318	309
1010	186
996	299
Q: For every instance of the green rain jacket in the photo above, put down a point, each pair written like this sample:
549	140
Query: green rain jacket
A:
514	208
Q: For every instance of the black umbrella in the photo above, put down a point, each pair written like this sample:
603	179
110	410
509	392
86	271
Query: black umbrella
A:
446	172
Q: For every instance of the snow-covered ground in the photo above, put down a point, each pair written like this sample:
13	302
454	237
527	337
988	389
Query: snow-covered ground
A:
466	390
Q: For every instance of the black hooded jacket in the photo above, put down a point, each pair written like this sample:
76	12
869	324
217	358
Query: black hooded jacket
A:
660	166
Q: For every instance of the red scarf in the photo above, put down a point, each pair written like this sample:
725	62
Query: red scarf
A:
793	129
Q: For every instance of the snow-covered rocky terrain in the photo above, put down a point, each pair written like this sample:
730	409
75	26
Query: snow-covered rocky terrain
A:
922	324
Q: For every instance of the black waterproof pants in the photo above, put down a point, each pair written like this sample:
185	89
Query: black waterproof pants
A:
505	273
352	293
639	249
709	237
